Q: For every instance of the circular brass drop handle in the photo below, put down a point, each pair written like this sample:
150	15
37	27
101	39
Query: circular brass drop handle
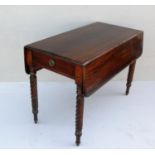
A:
51	63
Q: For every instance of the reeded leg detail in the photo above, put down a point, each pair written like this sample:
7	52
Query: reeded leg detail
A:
34	95
79	114
130	76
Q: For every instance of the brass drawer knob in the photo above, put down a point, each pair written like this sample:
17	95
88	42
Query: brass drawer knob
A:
51	63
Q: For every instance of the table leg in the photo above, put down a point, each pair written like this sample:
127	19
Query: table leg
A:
34	94
79	114
130	76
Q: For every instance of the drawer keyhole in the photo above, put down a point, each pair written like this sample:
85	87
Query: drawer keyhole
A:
51	63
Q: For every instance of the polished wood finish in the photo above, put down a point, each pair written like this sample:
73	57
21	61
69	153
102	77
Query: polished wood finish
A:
83	45
107	66
63	67
90	55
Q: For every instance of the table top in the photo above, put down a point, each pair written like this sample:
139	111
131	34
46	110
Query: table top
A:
86	43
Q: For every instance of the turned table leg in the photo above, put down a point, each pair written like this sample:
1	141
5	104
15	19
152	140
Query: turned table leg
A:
130	76
79	114
34	94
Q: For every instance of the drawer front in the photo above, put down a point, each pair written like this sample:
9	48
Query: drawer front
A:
54	63
104	68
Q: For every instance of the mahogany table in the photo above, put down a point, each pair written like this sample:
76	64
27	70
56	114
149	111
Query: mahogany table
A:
90	55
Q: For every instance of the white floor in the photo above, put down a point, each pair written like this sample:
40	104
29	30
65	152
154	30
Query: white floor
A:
111	119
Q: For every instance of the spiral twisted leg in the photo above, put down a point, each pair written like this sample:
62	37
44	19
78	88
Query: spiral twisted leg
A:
34	95
79	114
130	77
